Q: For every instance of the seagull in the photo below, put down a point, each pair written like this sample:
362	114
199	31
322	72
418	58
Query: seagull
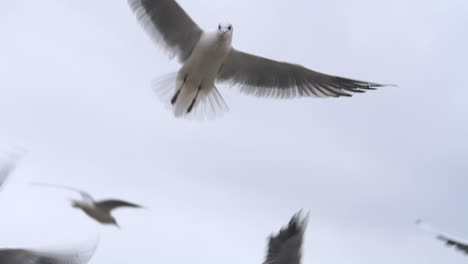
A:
208	58
32	256
286	246
98	210
449	241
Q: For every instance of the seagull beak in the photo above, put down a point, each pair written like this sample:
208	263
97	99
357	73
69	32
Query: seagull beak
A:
223	33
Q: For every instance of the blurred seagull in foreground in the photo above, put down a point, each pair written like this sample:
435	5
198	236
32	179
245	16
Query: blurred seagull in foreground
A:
98	210
207	57
62	256
286	246
449	241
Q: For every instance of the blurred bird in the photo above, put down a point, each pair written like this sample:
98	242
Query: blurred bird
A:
207	58
286	246
30	256
449	241
98	210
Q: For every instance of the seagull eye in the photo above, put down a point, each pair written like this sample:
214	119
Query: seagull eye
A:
219	27
230	27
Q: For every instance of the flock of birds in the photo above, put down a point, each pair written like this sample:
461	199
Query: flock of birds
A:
283	248
207	58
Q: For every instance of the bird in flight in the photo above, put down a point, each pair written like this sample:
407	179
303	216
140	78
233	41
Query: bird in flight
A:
208	58
32	256
98	210
449	241
286	246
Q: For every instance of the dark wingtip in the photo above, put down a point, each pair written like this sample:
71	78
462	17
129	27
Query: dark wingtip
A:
297	225
298	221
377	85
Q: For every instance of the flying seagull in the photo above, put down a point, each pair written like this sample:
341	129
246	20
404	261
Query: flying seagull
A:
207	58
449	241
98	210
286	246
31	256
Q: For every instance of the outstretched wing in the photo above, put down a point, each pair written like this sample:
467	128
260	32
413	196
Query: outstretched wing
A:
268	78
84	195
458	244
285	247
169	25
24	256
452	242
110	205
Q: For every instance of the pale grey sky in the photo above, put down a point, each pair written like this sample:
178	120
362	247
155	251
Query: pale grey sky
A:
75	90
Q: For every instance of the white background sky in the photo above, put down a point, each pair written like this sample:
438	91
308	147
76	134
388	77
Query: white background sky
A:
75	91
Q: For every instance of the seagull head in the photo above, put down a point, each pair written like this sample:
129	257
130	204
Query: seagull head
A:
225	30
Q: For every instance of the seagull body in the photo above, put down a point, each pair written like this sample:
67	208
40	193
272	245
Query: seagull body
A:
208	58
93	211
448	240
197	76
29	256
101	211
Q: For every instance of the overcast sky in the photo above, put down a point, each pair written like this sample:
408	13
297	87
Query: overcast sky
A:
75	90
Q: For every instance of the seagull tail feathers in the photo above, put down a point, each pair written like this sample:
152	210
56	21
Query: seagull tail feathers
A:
208	102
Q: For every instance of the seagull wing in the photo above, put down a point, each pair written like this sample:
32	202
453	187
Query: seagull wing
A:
285	247
268	78
169	25
84	195
25	256
452	242
449	241
110	205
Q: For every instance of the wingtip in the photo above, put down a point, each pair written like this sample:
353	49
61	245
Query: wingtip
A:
387	85
300	220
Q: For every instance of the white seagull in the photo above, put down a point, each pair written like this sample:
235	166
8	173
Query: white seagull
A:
56	256
207	58
449	240
286	246
98	210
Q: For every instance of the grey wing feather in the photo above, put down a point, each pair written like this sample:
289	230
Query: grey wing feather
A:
286	246
169	25
451	242
23	256
268	78
112	204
